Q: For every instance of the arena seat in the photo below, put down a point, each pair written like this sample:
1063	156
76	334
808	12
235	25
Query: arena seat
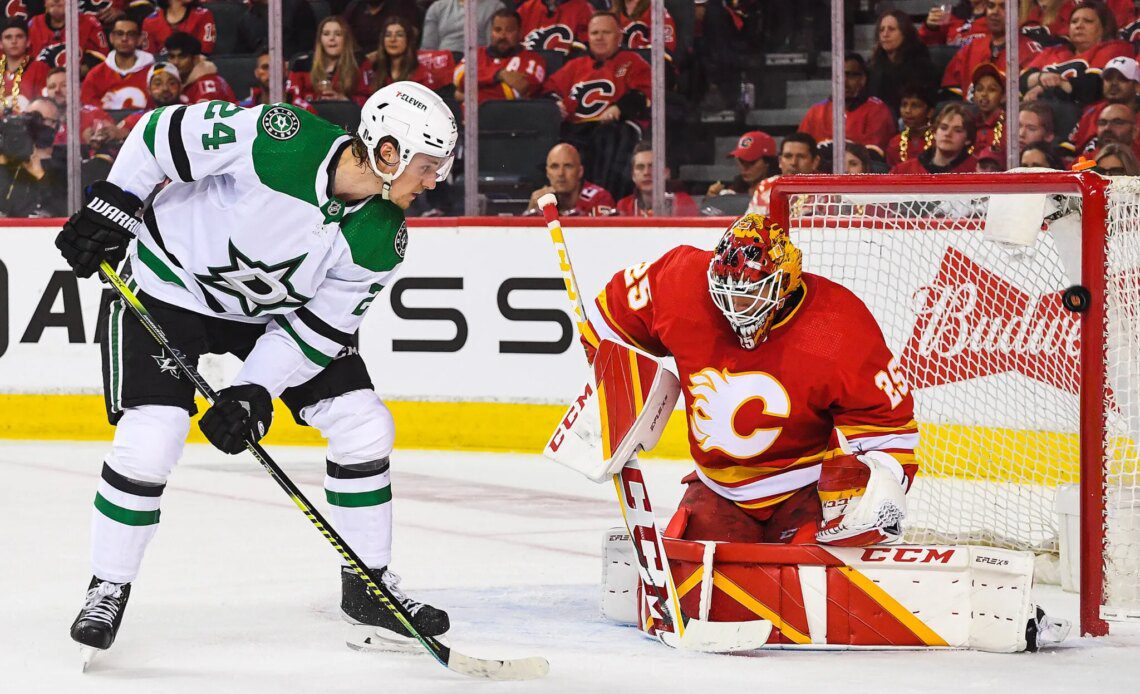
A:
514	137
346	114
238	71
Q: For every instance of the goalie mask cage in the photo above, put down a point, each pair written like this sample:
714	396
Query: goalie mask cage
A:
1016	393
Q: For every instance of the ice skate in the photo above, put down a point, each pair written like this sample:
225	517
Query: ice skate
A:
373	626
97	624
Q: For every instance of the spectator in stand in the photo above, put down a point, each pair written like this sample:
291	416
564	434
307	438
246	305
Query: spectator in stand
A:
1071	72
956	27
330	72
367	18
1116	123
298	27
506	70
869	120
443	23
172	16
799	154
857	159
602	95
1053	15
755	155
955	130
989	161
576	197
200	78
635	22
1116	159
96	127
1119	82
32	186
46	30
259	93
120	81
988	48
899	58
1035	125
555	25
989	96
397	59
916	106
640	202
164	85
1040	155
22	77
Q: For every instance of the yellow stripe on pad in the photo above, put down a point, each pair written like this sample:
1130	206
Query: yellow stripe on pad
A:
898	611
758	608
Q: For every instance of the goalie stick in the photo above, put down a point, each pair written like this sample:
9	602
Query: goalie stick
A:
513	669
670	626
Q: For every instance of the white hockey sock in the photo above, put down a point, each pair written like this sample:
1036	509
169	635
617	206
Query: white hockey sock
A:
360	503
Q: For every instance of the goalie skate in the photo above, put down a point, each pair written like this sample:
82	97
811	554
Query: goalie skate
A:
372	627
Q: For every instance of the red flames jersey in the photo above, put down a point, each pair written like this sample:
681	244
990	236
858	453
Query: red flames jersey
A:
762	421
587	88
529	63
106	87
198	22
435	70
543	30
959	74
635	31
208	88
870	124
91	37
1063	61
593	200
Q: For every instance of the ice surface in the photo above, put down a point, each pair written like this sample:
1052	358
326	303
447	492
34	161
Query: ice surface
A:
239	593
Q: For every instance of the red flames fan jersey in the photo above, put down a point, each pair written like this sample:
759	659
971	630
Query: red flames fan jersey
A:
871	123
91	37
1076	66
436	69
593	201
208	88
527	62
959	74
587	87
544	30
198	22
635	31
762	421
111	88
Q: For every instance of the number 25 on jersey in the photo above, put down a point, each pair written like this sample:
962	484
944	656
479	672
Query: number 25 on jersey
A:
638	285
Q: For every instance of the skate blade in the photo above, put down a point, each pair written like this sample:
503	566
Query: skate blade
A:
362	637
87	653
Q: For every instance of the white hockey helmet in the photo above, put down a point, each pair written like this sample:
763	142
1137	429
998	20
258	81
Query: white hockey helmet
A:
416	119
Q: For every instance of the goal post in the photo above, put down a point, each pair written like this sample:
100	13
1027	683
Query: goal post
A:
1023	383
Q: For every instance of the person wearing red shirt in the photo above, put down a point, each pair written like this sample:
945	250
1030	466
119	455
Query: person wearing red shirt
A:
1119	82
555	25
259	94
47	30
1053	15
869	121
964	22
985	49
95	125
398	59
755	155
506	70
916	106
200	78
1115	123
988	94
634	19
640	202
1071	72
331	72
120	81
164	85
21	78
955	130
179	15
576	197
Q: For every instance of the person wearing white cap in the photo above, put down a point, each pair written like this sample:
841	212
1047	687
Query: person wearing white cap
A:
1119	81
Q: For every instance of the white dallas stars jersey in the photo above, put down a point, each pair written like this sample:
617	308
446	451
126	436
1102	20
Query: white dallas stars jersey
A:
247	230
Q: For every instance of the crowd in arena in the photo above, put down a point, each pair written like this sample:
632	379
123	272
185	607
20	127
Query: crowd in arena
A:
929	97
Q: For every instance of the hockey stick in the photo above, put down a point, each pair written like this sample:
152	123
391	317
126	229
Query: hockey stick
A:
671	627
515	669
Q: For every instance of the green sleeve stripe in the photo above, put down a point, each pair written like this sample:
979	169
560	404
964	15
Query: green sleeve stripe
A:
124	515
151	127
359	499
151	260
313	355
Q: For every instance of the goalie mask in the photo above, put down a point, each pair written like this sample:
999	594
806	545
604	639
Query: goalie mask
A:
754	269
416	121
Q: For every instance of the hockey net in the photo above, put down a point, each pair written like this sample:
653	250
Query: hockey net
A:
1016	395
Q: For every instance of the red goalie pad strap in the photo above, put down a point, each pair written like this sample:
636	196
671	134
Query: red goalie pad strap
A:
624	378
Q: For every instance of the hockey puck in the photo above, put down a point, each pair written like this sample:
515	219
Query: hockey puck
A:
1076	298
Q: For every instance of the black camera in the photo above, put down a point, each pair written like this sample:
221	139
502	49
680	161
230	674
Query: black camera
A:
16	137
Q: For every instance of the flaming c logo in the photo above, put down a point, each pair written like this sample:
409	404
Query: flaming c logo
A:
718	397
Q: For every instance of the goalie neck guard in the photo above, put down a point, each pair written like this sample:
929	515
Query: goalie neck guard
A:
753	271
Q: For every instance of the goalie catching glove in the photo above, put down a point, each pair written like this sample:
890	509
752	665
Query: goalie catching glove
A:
241	413
101	230
863	498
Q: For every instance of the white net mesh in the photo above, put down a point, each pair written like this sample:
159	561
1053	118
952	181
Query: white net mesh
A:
993	357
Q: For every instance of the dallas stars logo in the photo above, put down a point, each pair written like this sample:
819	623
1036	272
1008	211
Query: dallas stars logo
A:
280	123
259	287
166	365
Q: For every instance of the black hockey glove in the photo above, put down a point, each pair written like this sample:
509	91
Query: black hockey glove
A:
101	230
240	413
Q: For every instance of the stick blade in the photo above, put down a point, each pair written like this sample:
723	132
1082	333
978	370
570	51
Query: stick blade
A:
720	637
512	669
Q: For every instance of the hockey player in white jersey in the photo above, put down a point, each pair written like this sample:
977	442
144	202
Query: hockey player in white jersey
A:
271	239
